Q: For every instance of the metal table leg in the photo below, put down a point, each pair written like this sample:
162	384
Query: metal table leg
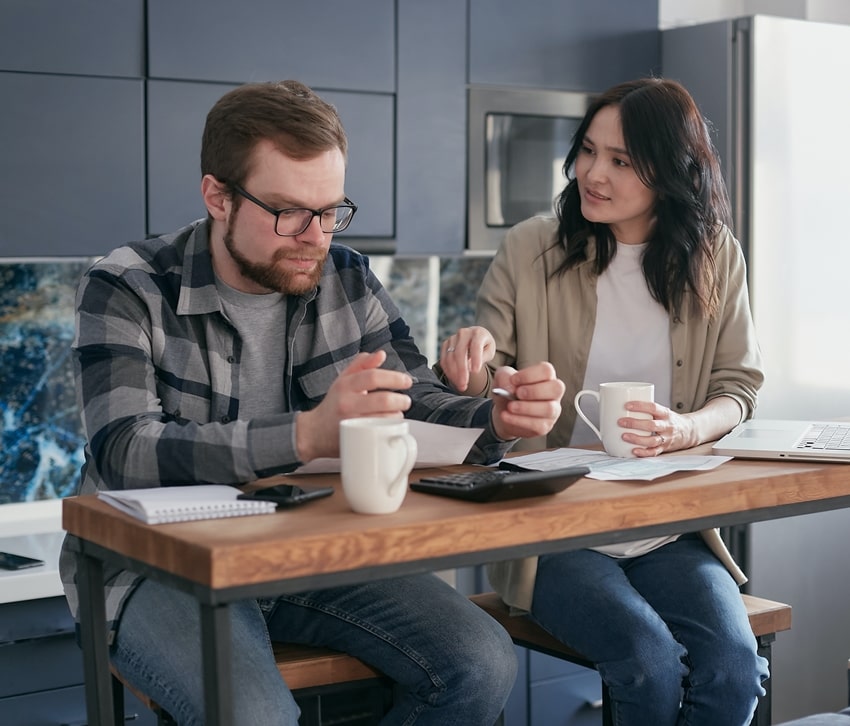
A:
217	651
98	682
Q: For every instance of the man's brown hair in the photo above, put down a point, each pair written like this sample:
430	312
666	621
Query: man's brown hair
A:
286	113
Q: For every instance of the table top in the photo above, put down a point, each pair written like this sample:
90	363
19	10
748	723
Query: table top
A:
324	538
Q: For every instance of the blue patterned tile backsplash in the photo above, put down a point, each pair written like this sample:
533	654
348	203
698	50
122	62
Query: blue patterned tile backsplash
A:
42	444
41	435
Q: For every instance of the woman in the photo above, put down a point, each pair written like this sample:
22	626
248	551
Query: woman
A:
638	278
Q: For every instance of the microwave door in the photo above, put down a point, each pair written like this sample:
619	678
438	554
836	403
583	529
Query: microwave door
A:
524	160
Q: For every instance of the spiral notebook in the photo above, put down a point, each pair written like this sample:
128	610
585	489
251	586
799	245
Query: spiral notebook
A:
161	505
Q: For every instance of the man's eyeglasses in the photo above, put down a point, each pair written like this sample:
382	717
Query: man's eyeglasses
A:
292	221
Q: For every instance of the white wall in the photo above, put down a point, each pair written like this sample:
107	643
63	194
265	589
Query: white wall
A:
673	13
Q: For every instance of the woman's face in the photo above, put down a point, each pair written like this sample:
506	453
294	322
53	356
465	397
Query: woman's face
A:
611	192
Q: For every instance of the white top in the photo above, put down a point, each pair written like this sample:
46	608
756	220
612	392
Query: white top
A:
631	342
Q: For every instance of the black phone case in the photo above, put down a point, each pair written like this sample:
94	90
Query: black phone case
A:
9	561
306	495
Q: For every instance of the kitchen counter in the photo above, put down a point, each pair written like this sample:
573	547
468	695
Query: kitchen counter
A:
33	529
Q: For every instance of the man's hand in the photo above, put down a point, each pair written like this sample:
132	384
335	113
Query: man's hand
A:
536	406
362	389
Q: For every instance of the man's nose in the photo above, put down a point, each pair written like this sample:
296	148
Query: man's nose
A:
313	234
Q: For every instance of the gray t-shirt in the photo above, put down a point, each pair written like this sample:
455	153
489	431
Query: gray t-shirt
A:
261	322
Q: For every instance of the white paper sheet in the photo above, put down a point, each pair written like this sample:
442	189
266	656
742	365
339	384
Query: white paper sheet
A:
438	446
612	468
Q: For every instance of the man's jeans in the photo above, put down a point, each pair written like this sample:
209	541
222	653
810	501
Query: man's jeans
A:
667	630
453	663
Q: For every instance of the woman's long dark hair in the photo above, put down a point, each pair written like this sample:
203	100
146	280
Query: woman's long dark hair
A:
671	151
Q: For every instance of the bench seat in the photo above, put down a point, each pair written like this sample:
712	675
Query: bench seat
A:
304	668
767	617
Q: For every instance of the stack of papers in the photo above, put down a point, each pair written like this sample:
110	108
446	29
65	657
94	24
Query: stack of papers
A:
437	445
161	505
613	468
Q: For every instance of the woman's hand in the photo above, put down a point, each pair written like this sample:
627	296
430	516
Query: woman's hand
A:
666	430
535	405
463	357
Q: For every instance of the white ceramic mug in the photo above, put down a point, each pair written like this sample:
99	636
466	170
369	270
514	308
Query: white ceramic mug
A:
376	456
612	399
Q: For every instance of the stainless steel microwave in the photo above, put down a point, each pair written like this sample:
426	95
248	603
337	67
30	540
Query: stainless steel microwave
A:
517	141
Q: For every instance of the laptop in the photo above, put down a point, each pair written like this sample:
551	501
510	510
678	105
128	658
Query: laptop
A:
827	441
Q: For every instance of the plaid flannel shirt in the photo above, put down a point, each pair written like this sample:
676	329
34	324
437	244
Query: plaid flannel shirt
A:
157	373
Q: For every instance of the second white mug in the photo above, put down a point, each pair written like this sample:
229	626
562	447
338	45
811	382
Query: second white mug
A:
612	398
376	456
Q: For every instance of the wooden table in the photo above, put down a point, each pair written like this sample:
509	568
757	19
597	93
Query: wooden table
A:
324	544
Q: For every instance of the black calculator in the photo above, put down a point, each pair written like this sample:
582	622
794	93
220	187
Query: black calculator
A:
497	485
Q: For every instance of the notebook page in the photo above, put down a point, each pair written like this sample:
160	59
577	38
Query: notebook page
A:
160	505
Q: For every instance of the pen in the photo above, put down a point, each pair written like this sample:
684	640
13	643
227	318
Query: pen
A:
504	393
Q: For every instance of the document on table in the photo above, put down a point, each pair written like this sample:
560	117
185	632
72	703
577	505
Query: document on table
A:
613	468
438	445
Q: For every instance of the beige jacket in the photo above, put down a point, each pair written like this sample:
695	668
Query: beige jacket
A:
535	317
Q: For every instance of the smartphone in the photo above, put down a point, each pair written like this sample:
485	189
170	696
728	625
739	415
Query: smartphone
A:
8	561
288	495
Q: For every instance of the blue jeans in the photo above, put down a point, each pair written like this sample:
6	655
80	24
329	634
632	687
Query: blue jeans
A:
453	663
668	632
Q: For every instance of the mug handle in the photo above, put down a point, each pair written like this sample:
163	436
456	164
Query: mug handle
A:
587	392
412	449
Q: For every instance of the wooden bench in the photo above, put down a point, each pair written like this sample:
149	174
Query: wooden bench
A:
307	669
304	668
767	618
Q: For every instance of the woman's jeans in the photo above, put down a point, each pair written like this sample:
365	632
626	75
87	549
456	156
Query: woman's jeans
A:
668	632
453	663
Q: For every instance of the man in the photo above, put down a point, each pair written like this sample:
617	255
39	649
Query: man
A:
231	350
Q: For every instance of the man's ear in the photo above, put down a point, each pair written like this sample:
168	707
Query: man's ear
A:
216	197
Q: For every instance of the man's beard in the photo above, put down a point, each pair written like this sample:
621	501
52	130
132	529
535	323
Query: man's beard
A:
275	275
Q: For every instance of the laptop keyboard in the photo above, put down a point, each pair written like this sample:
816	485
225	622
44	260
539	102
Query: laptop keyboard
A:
826	437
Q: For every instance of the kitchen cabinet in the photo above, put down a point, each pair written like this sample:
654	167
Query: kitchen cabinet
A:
570	45
108	101
57	36
72	173
41	670
328	44
431	127
553	692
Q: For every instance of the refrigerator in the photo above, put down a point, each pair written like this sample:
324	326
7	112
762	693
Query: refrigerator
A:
776	93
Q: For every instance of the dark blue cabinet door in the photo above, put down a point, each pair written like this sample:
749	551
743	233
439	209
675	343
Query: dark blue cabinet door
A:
72	150
327	44
84	37
431	188
572	45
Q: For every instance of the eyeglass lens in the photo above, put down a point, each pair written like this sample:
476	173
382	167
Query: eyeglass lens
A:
295	221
